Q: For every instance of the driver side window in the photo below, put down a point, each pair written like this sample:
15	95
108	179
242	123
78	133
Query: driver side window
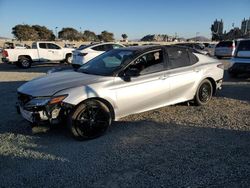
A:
149	63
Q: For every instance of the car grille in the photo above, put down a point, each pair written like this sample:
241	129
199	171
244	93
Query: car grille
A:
23	98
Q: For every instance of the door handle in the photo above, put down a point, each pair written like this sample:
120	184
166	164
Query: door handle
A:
196	70
164	77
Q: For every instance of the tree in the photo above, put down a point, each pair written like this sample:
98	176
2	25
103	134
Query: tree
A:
44	33
106	36
124	36
89	36
69	33
24	32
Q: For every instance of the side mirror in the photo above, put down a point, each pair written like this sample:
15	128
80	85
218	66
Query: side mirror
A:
132	72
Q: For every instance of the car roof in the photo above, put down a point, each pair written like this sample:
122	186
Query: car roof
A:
139	49
244	39
142	48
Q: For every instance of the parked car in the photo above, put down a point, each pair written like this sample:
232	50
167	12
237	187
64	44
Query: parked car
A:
118	83
40	52
240	63
225	49
85	53
70	46
195	46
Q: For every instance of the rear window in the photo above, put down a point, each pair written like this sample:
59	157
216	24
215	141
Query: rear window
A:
178	57
244	46
99	48
225	44
34	46
192	58
83	47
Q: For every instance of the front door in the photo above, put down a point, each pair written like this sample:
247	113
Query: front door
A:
55	52
147	86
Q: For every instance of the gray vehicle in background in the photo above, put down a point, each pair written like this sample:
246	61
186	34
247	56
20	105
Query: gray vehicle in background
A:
225	49
240	63
119	83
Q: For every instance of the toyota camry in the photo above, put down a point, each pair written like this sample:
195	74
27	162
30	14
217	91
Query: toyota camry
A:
118	83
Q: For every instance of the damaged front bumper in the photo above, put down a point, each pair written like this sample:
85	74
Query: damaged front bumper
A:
43	110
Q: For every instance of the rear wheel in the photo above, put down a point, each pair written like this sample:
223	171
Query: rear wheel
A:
89	120
204	93
232	75
68	58
24	62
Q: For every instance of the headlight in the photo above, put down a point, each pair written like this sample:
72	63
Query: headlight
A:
42	101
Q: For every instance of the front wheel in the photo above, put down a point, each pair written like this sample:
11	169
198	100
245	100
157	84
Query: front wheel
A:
204	93
89	120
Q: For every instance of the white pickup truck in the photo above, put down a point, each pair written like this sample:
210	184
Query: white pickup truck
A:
40	52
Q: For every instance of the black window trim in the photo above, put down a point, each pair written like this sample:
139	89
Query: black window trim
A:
142	54
43	43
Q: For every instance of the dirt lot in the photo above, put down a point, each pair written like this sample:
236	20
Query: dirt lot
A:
176	146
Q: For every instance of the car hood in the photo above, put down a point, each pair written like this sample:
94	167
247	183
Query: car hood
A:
52	83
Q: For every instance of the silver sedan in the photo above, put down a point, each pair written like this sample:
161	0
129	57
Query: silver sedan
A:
119	83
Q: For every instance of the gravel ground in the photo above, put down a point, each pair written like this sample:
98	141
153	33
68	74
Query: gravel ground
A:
176	146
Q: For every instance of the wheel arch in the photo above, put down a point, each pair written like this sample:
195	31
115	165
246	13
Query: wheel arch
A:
25	56
104	101
68	53
213	82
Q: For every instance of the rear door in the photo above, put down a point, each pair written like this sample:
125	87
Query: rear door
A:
147	90
183	74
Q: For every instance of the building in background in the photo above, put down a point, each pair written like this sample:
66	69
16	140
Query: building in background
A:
217	30
245	26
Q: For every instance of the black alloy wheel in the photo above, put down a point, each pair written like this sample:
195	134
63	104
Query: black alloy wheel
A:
91	119
204	93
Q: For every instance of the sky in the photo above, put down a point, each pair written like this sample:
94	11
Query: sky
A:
136	18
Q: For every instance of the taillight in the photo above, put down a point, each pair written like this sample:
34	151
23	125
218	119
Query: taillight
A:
82	54
5	53
221	66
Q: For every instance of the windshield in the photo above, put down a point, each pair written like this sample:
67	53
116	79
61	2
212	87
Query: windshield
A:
107	63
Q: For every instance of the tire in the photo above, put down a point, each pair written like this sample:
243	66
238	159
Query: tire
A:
18	65
232	75
204	93
89	120
219	57
24	62
68	58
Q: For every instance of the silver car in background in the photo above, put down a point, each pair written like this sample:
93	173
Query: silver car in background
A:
240	62
225	49
119	83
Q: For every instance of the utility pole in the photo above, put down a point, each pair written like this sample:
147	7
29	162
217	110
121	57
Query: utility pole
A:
56	32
